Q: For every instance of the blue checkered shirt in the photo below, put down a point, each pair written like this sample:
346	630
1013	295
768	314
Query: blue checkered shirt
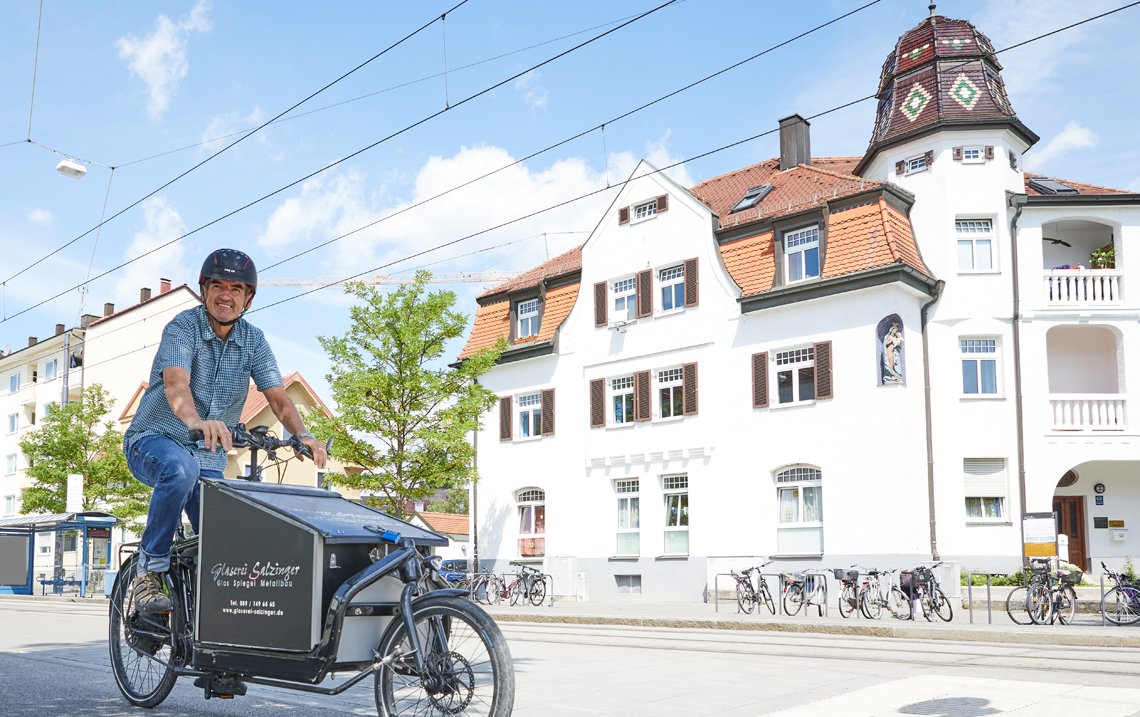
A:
219	379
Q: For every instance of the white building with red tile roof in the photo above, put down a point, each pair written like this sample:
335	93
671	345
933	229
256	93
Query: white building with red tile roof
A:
885	360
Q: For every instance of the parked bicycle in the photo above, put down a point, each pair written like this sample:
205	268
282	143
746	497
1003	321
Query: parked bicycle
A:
487	588
872	599
747	595
848	590
804	588
529	584
928	593
260	614
1053	598
1121	604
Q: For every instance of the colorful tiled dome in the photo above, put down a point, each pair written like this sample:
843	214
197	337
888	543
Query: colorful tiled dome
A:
943	72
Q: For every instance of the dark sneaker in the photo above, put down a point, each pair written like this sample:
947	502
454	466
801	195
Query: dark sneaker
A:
148	595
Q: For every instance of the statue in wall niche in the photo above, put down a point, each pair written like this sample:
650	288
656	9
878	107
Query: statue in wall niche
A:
890	349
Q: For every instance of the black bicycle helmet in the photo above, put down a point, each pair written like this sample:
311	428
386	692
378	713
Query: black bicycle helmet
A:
230	265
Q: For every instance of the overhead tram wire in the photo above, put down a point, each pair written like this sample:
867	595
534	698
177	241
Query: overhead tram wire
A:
817	115
234	143
329	166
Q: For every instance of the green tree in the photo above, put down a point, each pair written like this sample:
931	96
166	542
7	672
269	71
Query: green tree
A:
75	438
404	415
457	501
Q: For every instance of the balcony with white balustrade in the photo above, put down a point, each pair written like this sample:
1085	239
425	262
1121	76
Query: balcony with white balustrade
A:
1085	376
1079	266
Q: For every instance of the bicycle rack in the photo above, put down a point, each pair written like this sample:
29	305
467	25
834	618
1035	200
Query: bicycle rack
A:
821	606
545	576
989	600
778	597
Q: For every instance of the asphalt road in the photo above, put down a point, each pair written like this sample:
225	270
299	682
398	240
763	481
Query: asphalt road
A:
53	662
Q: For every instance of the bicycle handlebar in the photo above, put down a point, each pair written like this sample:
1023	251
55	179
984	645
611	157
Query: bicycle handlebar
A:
259	437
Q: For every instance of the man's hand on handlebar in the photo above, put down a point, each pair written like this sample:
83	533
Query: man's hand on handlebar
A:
214	433
317	451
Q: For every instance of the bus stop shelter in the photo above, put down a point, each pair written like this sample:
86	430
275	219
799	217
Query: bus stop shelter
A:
18	553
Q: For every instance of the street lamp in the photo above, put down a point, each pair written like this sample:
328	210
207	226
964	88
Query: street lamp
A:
71	168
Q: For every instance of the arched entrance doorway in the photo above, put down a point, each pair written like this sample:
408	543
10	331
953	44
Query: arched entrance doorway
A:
1070	512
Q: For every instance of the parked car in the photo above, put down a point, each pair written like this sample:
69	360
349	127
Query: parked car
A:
453	570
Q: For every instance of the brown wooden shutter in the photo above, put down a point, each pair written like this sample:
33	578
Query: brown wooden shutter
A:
506	418
691	282
623	215
548	412
598	403
900	167
929	157
957	154
600	304
644	293
642	397
663	203
760	380
689	388
823	387
989	152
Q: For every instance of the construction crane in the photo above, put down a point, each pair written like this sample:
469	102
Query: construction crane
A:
465	277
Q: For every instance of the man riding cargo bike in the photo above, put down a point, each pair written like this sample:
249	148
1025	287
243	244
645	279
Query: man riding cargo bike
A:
278	585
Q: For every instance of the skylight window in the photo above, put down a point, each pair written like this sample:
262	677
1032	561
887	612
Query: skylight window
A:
752	197
1051	187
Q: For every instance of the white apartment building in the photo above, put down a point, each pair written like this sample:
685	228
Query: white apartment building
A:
882	359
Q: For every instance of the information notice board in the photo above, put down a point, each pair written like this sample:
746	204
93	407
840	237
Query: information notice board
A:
1040	535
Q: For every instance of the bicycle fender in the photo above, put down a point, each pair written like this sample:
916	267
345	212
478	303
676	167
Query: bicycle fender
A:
441	592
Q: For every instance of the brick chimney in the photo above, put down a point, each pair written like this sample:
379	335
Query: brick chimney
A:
144	294
59	329
86	319
32	340
795	141
163	286
108	309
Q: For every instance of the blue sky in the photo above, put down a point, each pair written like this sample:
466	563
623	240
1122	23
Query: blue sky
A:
120	82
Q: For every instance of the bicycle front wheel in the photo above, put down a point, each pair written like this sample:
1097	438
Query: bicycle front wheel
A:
847	600
940	605
518	590
469	665
745	600
1065	604
766	597
1121	606
1037	603
1017	606
139	646
538	592
793	598
870	604
898	603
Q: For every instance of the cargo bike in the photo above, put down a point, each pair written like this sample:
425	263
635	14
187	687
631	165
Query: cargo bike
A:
287	585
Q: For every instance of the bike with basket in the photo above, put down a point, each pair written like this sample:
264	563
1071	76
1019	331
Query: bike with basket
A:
286	585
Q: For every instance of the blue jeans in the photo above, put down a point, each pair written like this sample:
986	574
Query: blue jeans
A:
173	472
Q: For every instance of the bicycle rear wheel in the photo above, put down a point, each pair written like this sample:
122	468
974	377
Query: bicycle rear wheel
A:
870	603
466	654
898	603
793	598
745	600
1065	604
1121	605
537	591
940	605
139	645
1017	606
847	600
1037	603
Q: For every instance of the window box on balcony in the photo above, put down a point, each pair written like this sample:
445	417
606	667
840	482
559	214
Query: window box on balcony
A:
1083	287
1087	412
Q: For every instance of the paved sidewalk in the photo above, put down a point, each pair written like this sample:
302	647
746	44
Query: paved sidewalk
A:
1086	628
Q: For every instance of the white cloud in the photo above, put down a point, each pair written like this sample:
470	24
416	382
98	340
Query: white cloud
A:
40	216
534	93
159	59
224	130
1072	136
161	223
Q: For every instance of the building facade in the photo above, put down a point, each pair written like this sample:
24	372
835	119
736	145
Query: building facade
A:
883	359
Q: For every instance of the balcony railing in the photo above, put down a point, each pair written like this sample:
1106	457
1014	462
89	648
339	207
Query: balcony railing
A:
1088	412
1083	287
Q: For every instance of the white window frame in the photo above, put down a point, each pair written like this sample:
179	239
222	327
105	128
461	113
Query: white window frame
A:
620	387
51	369
792	362
974	155
531	503
973	349
624	290
11	463
795	481
528	322
627	584
797	244
644	210
628	539
670	381
10	504
528	416
13	423
671	281
675	490
916	164
985	484
14	383
975	232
